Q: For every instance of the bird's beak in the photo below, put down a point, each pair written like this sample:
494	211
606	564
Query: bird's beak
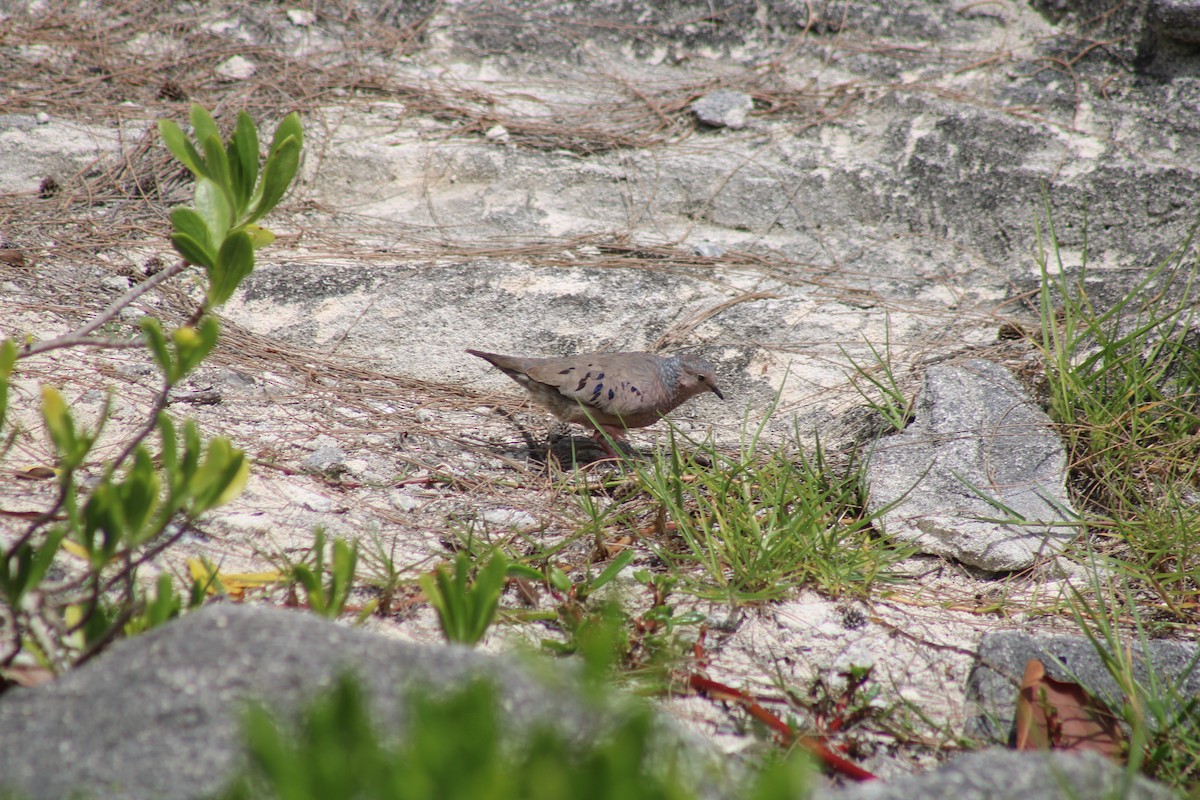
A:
716	391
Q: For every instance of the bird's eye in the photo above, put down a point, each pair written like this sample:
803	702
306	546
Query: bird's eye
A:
701	378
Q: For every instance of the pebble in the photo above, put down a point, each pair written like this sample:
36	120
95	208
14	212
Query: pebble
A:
301	17
509	518
236	68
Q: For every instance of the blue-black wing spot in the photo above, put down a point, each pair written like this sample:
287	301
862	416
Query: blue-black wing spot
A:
566	371
610	394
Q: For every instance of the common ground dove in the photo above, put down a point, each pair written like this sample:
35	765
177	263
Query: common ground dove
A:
609	392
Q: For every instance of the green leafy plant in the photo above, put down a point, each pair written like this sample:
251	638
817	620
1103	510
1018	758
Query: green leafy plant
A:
646	648
327	595
382	573
1162	717
881	391
337	752
561	582
1124	386
144	499
646	652
165	605
220	233
466	605
757	527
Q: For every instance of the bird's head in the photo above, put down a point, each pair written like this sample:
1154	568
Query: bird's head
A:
697	376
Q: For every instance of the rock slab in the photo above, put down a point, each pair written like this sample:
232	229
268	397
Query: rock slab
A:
1166	669
158	715
979	476
1006	775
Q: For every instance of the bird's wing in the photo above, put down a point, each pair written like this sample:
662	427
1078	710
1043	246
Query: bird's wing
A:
625	385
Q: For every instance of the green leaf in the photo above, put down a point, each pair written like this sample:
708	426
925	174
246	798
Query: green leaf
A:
234	263
218	166
102	513
220	478
243	159
465	609
203	125
311	585
8	357
44	555
192	251
186	221
14	573
157	342
341	579
260	236
138	495
192	448
180	147
68	444
281	169
619	563
485	600
557	578
165	605
192	345
525	571
23	569
212	204
289	128
170	466
179	459
321	599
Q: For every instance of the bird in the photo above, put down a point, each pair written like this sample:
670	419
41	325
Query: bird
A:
609	392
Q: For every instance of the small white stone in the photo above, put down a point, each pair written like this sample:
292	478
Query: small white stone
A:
309	500
724	108
301	17
390	111
830	629
509	518
236	68
497	133
857	654
404	502
246	522
357	466
42	118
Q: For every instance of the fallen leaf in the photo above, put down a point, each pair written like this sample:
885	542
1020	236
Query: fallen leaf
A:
1059	715
36	474
26	675
233	584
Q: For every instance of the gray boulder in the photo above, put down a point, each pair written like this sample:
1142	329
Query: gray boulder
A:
979	476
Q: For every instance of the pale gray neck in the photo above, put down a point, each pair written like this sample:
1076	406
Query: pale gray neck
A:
671	370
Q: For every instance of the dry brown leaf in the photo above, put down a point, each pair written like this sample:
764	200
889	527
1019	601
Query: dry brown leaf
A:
1058	715
26	675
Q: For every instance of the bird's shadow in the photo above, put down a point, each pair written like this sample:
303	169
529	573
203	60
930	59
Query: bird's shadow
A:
564	449
580	451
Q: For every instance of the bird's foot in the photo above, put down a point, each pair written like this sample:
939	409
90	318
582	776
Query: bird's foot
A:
606	443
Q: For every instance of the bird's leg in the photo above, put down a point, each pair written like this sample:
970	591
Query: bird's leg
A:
613	433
